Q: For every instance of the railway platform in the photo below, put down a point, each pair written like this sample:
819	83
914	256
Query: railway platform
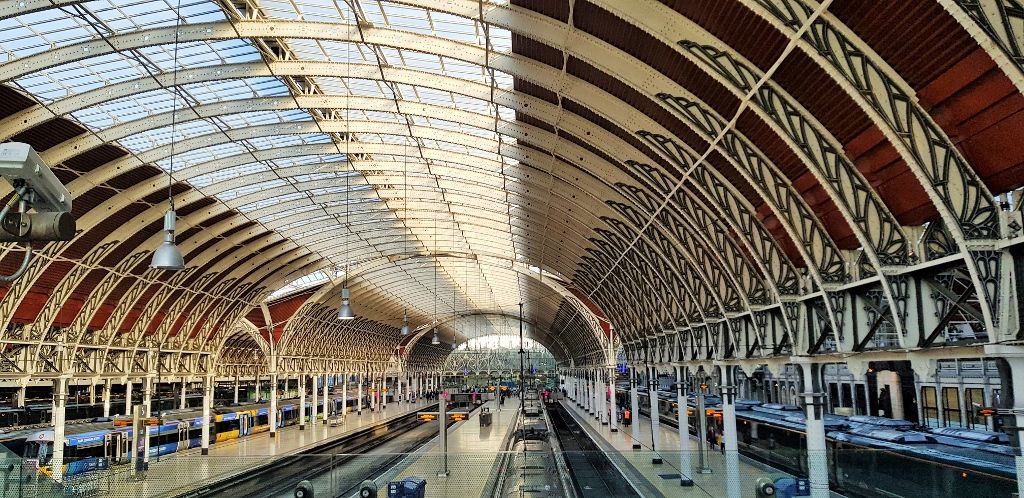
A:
473	455
664	479
189	471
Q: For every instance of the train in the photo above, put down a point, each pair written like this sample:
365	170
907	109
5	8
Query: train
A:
529	461
867	456
41	411
108	442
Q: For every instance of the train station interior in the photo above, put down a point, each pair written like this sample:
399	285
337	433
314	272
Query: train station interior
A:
511	248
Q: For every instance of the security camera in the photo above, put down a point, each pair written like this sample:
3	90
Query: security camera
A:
21	166
44	205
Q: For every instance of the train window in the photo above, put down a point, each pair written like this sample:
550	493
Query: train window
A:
930	406
951	406
974	397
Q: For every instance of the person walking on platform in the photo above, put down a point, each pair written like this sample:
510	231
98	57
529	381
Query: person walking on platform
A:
718	441
710	438
627	417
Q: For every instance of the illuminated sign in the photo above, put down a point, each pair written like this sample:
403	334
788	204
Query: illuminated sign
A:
457	416
427	417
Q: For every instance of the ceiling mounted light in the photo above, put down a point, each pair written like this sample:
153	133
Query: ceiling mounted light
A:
345	311
435	340
405	324
168	256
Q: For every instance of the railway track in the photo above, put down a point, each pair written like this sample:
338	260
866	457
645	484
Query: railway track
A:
593	475
370	451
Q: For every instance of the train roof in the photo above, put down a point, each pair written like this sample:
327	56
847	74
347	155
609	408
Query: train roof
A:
979	460
889	423
974	435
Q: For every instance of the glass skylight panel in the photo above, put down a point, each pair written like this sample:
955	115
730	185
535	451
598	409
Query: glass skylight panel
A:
125	16
270	218
162	136
37	32
128	108
261	143
227	195
201	53
304	222
270	202
254	118
221	90
456	28
316	278
217	176
77	77
205	154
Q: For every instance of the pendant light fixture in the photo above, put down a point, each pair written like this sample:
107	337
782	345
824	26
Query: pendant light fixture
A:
167	256
405	214
435	340
345	311
405	324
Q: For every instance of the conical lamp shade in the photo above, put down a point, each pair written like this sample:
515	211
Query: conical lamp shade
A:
167	256
345	311
435	339
405	324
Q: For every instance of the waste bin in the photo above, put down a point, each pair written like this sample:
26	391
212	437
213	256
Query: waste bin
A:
410	487
486	417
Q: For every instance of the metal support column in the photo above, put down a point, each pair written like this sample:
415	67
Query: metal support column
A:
272	412
613	408
359	393
207	404
106	398
60	399
817	462
302	402
732	455
634	401
314	379
128	398
327	406
652	394
147	396
683	420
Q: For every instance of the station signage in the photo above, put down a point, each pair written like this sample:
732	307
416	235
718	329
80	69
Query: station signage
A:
427	417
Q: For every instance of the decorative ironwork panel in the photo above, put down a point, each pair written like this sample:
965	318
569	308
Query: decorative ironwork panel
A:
956	185
875	224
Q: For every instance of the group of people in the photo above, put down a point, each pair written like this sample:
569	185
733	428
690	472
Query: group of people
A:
625	416
714	438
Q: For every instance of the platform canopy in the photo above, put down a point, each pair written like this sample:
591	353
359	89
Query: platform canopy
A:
685	179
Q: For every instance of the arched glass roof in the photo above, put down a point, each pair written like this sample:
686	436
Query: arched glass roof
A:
350	163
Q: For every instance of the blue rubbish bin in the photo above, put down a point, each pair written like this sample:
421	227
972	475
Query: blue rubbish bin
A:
788	487
410	487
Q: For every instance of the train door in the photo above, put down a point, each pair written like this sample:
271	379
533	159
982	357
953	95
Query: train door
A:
244	426
115	447
183	441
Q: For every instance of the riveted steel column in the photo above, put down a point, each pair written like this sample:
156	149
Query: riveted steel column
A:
634	400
